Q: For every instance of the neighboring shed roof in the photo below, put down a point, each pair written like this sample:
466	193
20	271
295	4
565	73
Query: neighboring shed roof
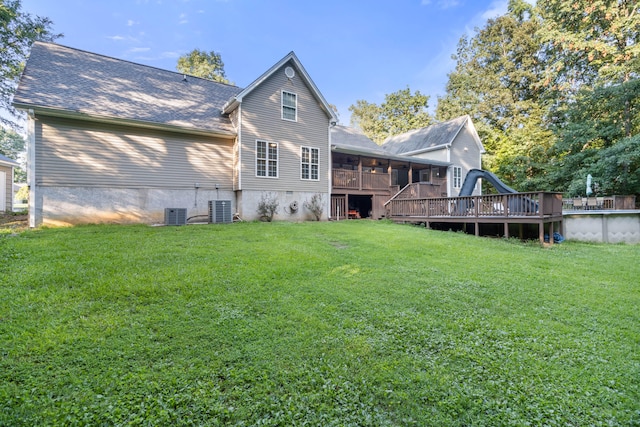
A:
427	138
63	79
7	161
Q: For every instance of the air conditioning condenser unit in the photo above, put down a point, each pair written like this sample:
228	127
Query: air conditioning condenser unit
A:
175	216
220	211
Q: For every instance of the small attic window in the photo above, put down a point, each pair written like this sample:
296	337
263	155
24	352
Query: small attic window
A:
289	106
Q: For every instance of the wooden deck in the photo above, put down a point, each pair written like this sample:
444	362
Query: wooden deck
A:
541	208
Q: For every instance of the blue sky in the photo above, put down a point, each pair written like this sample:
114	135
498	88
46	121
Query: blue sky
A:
352	49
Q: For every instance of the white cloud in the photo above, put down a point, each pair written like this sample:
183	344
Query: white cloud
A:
170	54
442	4
116	38
139	49
496	8
183	19
131	23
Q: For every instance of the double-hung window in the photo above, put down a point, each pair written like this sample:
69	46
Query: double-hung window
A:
309	164
289	106
457	177
266	159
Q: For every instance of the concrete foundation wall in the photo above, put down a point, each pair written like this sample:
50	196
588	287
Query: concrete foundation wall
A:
603	226
62	206
248	205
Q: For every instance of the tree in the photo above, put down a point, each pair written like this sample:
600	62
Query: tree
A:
18	31
400	112
207	65
592	75
593	125
495	83
590	41
12	145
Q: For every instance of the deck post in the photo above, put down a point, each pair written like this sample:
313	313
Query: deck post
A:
506	230
551	232
541	232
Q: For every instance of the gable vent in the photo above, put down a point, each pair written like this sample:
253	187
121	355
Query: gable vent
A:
219	211
175	216
289	72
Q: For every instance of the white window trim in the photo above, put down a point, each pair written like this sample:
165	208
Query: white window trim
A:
459	178
268	160
310	163
282	106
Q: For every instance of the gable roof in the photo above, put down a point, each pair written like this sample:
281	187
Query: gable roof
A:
430	138
236	100
65	81
348	140
345	136
7	161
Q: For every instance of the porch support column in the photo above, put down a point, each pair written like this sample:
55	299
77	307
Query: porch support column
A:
410	173
541	232
389	170
359	173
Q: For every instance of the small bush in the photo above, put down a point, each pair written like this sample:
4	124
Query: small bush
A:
23	194
315	205
268	206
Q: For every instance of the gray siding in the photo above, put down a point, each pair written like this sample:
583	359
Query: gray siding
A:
466	154
261	119
439	155
8	187
74	153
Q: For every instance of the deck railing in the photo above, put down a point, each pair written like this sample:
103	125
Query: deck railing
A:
351	179
517	205
419	190
599	203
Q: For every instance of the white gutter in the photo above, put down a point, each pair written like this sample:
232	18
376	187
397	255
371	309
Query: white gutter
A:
52	112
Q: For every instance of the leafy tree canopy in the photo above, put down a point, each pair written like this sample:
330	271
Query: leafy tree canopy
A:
18	31
207	65
590	41
400	112
495	83
12	145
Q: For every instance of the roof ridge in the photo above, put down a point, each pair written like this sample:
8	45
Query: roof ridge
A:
132	62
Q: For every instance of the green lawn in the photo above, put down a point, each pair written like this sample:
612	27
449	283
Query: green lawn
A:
353	323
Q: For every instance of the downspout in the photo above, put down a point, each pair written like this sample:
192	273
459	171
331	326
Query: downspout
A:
449	173
238	191
31	168
330	165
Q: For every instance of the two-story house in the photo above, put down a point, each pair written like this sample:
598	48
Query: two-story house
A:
114	141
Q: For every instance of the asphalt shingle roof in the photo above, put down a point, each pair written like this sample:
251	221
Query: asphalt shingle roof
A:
62	78
425	138
6	160
352	137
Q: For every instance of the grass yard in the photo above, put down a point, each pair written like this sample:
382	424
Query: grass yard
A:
353	323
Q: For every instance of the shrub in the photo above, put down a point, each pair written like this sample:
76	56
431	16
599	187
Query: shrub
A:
23	194
315	205
268	206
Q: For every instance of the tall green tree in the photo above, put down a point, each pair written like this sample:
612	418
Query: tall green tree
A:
400	112
12	145
18	31
592	75
590	41
495	82
207	65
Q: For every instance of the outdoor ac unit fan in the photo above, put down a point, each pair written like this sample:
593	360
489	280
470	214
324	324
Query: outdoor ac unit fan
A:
220	211
175	216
